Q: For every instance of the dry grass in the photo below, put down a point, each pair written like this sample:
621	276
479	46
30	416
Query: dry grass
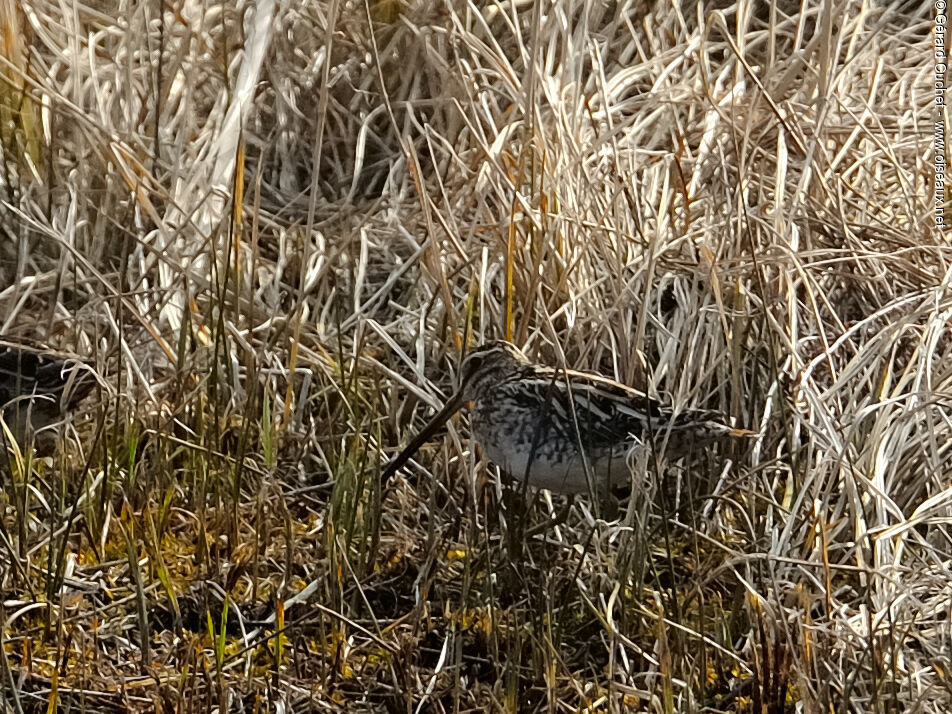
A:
273	227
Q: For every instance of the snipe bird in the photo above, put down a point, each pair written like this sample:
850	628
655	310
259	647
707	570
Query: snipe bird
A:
560	429
37	387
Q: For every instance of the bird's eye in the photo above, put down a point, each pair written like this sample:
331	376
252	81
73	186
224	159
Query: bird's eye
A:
474	363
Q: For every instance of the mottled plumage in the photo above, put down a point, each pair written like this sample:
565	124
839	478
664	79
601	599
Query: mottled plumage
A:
37	387
563	430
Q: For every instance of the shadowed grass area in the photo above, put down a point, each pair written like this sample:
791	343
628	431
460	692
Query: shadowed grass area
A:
273	227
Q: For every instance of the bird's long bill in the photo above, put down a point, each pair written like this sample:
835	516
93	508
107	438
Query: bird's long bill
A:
420	439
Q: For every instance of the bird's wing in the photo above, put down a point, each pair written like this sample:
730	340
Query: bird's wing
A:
602	413
589	408
27	370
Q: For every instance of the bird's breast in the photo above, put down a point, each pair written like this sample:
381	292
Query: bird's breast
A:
526	443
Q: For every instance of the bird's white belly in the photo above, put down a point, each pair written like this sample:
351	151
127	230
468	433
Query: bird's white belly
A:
568	473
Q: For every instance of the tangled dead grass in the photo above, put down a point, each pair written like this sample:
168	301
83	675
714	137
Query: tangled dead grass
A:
274	225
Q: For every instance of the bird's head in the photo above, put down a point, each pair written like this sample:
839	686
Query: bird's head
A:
488	365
